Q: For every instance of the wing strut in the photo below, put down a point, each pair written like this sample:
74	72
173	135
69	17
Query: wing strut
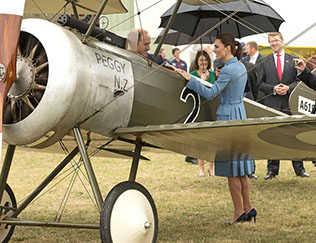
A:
138	150
89	168
6	168
94	22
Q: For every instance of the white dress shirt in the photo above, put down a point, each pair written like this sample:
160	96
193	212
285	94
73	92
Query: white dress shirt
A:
253	58
282	57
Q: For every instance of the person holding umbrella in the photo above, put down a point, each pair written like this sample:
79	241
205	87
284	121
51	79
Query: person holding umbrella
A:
230	85
202	69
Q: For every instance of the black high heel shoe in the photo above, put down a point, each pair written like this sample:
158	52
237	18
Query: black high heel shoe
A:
252	214
242	218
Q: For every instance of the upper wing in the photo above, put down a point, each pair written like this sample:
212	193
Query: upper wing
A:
83	6
199	2
291	137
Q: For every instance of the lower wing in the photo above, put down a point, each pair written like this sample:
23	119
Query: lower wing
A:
292	137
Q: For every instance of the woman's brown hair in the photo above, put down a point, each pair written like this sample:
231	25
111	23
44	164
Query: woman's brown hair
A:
235	46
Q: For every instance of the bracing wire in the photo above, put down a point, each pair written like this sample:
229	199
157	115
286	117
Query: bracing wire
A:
36	4
64	201
259	31
155	68
133	16
252	68
75	167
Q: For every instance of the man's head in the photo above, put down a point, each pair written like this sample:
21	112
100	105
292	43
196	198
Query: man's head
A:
251	48
162	52
143	44
276	41
176	52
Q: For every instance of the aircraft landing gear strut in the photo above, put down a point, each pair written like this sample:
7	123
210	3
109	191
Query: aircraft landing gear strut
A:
7	198
129	213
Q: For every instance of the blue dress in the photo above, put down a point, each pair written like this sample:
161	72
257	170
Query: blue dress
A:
231	107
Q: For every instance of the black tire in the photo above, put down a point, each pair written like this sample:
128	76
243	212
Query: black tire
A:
137	199
8	200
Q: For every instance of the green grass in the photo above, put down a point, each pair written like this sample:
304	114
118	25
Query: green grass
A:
190	208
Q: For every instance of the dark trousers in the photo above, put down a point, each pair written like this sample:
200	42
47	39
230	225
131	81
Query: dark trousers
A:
273	166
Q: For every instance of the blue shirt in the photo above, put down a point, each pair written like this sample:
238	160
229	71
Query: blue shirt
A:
183	64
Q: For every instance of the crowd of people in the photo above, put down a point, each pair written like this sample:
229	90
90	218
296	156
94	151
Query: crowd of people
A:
269	80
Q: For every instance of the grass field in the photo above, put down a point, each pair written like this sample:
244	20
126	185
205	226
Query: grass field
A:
190	208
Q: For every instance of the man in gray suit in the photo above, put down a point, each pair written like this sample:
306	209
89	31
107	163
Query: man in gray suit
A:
251	62
254	57
277	78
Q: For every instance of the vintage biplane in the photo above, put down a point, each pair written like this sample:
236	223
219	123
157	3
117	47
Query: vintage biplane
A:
78	84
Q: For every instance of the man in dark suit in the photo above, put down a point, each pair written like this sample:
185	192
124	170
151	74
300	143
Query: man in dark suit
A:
254	57
307	77
277	78
251	88
251	62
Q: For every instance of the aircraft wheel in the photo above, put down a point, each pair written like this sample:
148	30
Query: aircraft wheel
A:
8	201
129	215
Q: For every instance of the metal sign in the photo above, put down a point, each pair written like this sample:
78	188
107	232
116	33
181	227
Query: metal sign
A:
2	71
305	105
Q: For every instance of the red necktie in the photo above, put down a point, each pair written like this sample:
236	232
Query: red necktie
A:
179	64
279	66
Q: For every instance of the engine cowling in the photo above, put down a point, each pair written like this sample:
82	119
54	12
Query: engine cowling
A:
60	82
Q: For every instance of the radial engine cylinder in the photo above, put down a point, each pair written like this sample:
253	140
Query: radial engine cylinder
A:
60	82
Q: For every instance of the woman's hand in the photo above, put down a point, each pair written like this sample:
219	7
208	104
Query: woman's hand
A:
204	76
184	74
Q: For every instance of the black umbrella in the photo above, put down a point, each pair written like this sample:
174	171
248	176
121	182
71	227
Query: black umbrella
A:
252	17
177	38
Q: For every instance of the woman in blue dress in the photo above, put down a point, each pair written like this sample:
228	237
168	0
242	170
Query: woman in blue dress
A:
231	85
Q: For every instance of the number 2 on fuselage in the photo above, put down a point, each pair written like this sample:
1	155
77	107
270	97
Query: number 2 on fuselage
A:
185	94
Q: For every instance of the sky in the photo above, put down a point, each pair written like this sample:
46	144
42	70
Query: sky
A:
298	15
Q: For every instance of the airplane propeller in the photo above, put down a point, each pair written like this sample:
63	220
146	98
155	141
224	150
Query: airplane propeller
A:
11	13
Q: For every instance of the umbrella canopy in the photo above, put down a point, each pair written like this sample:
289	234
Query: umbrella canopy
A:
83	6
253	16
198	2
177	38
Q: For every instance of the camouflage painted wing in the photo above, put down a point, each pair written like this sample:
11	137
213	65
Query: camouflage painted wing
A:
284	137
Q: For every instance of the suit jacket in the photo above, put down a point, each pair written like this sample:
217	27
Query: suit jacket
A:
251	88
268	78
308	78
260	56
159	60
258	94
257	63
